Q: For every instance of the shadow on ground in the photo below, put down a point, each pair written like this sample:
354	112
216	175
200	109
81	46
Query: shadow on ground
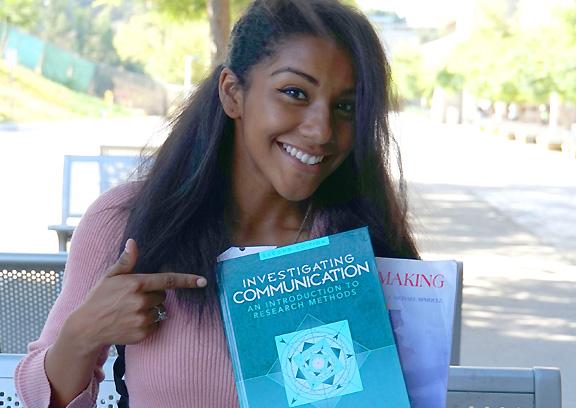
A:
519	307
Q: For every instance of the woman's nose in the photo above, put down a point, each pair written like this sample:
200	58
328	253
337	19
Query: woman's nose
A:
317	125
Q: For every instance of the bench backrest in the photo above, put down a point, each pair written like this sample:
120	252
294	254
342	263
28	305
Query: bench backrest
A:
495	387
86	177
29	286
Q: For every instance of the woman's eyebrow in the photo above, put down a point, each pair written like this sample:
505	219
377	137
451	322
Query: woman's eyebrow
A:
304	75
346	93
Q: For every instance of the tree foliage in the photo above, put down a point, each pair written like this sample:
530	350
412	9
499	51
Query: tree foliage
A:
86	30
82	26
186	10
413	81
161	49
23	13
174	18
508	61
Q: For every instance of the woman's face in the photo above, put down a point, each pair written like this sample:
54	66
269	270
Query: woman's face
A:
294	121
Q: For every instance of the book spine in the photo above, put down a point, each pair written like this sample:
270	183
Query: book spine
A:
230	339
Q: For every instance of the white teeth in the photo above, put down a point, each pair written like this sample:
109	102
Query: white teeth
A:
300	155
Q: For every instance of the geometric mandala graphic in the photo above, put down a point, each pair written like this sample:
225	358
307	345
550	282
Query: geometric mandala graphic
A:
318	363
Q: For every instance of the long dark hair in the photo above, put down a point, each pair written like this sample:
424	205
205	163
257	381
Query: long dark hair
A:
177	216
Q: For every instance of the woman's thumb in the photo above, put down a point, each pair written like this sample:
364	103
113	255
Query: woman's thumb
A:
126	261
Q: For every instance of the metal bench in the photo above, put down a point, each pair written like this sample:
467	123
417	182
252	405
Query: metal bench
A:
84	178
468	387
29	285
492	387
33	282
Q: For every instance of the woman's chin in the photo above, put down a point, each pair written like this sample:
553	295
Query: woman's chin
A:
296	195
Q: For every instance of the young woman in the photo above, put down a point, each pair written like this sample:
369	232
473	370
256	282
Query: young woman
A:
288	140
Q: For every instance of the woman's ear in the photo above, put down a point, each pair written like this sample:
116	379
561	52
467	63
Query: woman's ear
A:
230	93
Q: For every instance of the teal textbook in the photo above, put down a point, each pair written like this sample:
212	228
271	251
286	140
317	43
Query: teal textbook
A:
307	326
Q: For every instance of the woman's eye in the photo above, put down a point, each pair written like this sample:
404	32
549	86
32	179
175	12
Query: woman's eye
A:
295	93
346	108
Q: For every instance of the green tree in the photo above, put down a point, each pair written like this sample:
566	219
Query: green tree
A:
161	48
81	26
216	11
85	29
561	55
411	77
503	60
23	13
162	35
219	14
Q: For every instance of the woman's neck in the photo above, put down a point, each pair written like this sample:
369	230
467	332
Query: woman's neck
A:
266	219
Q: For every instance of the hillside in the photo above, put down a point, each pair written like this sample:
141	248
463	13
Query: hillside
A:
26	96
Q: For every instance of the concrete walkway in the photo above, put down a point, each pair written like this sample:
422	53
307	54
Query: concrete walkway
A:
519	305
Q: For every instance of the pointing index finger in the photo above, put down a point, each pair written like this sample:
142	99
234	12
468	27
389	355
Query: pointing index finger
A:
171	280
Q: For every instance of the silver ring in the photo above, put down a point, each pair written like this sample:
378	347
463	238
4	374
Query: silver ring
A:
159	313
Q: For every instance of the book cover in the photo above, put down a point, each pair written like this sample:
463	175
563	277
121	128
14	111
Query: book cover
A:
421	298
307	326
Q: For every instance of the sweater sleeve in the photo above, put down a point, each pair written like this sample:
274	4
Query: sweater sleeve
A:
94	247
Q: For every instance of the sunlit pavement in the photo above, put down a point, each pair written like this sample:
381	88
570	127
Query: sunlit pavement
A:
508	211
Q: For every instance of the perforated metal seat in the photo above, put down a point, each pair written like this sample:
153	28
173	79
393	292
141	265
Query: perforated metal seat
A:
29	285
468	387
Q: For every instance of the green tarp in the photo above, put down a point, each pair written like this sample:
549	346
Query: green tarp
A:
68	69
28	48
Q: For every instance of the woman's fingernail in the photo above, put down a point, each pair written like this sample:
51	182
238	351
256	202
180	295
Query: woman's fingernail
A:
127	246
201	282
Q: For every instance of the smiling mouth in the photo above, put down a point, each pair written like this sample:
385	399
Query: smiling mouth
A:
303	157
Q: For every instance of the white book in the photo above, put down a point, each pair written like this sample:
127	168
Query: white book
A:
421	298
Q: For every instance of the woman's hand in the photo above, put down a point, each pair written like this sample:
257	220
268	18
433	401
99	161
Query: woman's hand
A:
124	307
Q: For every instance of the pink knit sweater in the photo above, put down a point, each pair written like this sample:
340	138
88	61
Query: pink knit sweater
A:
183	364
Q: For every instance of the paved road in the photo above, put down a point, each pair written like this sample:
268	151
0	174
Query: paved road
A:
508	210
